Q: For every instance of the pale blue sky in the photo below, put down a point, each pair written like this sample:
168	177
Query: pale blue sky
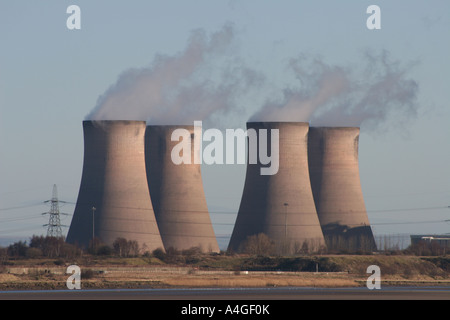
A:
51	78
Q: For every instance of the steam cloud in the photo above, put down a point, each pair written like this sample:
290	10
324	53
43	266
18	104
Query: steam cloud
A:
207	78
181	88
330	95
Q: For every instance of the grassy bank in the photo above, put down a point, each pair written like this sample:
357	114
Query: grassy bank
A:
225	271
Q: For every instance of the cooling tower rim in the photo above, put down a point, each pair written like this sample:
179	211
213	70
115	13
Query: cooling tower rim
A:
168	129
335	131
277	124
110	122
335	127
170	126
281	122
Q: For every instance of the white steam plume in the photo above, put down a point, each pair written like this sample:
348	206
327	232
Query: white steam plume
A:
181	88
345	96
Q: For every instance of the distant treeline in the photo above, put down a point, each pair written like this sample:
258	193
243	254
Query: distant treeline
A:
258	245
57	247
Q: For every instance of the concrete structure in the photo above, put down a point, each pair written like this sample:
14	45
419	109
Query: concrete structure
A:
335	182
441	240
114	182
281	206
177	192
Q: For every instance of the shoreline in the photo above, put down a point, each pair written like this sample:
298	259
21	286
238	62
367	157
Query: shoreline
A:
147	278
222	271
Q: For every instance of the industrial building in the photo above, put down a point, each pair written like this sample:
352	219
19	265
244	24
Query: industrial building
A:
335	182
442	240
131	188
113	200
281	206
177	191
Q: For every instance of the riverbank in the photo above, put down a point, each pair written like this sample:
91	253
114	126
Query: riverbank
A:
225	271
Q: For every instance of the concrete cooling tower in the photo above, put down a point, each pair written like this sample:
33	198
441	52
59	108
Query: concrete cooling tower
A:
281	206
114	182
177	191
335	181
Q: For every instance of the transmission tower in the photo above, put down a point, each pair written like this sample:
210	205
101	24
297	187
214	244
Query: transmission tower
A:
54	221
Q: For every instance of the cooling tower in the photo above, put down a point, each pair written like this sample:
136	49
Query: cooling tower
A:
177	191
335	181
114	182
281	206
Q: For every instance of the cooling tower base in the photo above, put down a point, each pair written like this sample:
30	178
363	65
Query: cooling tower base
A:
343	239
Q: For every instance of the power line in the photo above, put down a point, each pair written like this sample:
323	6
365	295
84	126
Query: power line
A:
54	224
21	207
409	209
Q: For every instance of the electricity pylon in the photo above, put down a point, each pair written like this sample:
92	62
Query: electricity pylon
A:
54	221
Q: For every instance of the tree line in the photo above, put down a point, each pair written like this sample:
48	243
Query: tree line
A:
57	247
260	245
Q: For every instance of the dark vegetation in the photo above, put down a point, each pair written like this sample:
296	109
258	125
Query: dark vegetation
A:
423	258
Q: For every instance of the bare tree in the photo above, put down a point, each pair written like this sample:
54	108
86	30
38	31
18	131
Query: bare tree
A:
259	244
